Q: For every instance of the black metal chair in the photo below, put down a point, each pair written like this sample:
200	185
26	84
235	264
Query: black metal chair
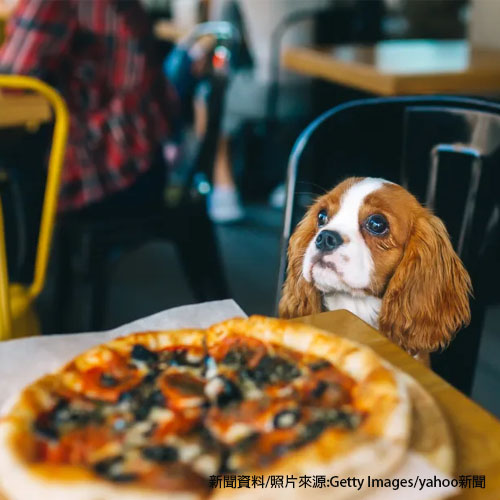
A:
446	151
86	244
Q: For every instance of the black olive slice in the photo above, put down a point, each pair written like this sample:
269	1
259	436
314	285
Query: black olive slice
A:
157	398
284	370
107	380
109	468
124	477
235	357
140	353
225	391
274	369
262	372
230	394
160	453
349	420
312	431
143	406
319	365
151	377
103	467
46	429
319	390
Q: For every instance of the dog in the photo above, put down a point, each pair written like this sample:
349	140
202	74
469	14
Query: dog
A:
370	247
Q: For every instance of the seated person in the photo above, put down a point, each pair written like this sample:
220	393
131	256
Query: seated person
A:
99	55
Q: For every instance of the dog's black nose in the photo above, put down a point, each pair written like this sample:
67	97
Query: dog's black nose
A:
326	241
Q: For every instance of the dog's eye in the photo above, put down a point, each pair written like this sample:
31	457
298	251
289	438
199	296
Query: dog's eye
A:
322	218
377	224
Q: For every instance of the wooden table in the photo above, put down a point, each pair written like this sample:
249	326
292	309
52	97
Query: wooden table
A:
4	11
399	67
4	16
23	110
475	431
168	31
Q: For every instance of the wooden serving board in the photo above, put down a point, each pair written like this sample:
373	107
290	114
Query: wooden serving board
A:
430	434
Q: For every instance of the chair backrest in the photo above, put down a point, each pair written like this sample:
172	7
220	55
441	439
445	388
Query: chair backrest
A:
49	209
445	150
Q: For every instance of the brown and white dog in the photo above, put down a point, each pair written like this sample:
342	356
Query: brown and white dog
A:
370	247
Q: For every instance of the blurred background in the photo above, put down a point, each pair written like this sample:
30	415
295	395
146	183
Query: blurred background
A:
183	115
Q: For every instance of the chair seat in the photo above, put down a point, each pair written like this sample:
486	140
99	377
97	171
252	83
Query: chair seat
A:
24	319
86	244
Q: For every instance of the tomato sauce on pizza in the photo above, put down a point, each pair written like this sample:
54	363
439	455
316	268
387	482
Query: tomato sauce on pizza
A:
167	415
235	406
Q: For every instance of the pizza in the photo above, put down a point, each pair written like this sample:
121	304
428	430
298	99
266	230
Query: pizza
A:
158	414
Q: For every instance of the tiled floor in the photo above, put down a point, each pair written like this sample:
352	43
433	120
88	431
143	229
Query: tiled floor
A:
149	280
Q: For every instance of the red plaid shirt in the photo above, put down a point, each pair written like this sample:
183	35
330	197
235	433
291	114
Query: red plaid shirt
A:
97	53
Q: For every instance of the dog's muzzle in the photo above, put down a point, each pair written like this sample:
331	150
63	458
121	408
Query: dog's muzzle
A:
327	240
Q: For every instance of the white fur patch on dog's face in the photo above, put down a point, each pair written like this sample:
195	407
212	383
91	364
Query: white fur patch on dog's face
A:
349	267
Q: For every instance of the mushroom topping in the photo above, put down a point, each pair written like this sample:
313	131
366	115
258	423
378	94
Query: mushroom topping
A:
286	419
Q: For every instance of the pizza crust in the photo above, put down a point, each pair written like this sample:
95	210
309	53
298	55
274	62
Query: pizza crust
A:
151	340
159	340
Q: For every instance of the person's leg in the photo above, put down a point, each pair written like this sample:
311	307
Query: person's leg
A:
223	171
224	204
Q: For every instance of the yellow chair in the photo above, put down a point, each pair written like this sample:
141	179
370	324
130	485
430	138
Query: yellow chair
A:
17	314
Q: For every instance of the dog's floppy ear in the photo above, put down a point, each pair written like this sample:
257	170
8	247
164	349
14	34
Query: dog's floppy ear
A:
427	299
300	297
